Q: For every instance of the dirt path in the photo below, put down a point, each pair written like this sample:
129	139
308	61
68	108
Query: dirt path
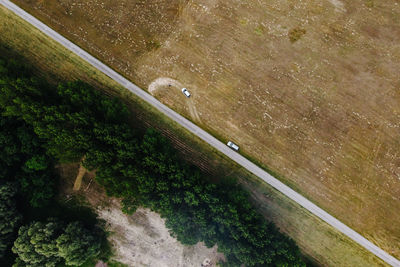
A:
163	82
168	83
339	6
79	177
193	110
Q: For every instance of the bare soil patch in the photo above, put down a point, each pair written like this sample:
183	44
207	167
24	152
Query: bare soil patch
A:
339	5
164	83
101	264
79	177
143	240
140	239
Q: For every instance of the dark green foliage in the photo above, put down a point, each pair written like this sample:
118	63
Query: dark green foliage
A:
78	121
36	244
22	157
9	216
76	245
24	161
129	205
27	181
199	211
53	242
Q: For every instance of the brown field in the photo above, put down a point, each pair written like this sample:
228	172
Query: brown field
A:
303	123
310	89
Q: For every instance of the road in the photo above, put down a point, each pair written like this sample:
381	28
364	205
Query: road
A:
205	136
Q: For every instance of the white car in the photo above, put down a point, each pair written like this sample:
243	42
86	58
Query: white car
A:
185	92
233	146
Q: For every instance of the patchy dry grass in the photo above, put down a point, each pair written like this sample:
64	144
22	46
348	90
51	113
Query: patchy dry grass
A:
128	29
295	34
317	240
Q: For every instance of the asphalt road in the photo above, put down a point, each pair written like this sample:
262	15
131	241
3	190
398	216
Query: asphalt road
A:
206	136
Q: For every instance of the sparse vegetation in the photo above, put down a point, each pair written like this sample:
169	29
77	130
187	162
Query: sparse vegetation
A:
259	30
295	34
369	3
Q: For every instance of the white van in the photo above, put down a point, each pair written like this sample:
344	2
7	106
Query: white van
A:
233	146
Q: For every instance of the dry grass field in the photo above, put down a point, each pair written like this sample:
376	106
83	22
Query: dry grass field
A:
310	89
329	132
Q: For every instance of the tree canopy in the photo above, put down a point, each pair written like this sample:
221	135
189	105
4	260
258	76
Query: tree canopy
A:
75	121
53	242
24	161
9	216
76	244
27	190
36	244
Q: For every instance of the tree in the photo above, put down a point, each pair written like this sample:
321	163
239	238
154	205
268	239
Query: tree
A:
24	161
76	245
9	216
50	243
37	163
36	244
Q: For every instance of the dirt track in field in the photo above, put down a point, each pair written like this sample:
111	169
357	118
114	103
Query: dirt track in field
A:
167	86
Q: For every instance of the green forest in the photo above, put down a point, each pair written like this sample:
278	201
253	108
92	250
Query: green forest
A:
43	124
36	230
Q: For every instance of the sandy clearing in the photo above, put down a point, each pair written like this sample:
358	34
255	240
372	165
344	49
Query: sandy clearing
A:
143	240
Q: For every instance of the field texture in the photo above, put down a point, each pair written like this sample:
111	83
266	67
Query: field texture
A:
272	79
